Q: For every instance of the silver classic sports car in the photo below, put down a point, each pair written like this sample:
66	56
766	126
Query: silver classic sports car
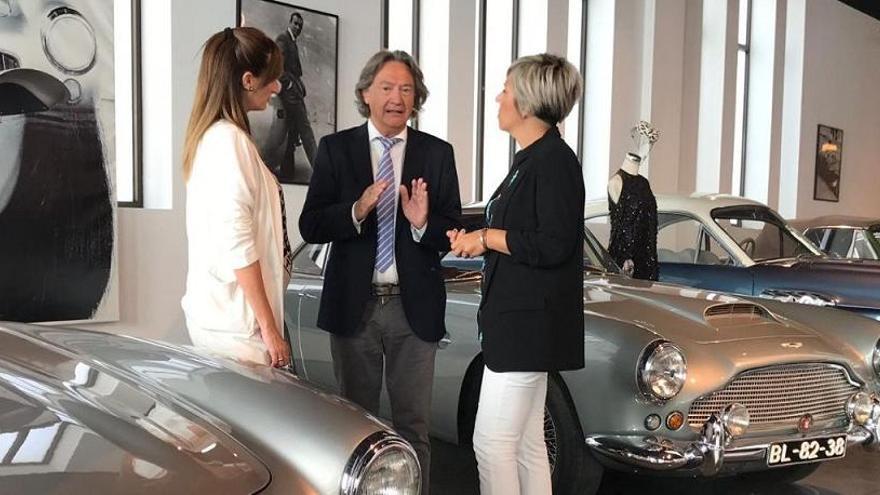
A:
843	236
85	412
678	381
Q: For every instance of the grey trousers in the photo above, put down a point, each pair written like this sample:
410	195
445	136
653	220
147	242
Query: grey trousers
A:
386	338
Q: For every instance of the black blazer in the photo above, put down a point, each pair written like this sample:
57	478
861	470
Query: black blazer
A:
531	315
342	171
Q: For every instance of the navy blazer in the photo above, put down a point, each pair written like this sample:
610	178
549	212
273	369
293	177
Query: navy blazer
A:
342	171
532	310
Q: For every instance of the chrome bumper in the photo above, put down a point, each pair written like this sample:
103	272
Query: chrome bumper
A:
707	455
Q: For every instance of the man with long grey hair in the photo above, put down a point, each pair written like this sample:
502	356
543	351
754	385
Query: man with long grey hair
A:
385	194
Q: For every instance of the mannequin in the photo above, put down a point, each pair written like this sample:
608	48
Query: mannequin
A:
630	165
633	210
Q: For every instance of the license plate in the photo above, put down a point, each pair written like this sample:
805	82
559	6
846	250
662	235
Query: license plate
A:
809	450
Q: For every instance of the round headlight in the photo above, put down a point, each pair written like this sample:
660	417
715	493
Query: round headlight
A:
382	464
875	359
663	370
860	408
69	41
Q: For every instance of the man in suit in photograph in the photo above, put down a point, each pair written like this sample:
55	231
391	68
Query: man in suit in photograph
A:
385	194
293	94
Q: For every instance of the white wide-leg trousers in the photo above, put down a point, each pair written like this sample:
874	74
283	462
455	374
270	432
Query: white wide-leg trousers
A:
509	434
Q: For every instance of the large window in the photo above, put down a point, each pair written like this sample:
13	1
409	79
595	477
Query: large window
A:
499	50
503	31
576	52
740	129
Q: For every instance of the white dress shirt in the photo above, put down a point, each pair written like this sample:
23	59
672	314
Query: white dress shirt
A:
397	154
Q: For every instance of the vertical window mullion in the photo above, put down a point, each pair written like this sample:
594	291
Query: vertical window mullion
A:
416	34
385	24
514	54
481	100
745	117
582	66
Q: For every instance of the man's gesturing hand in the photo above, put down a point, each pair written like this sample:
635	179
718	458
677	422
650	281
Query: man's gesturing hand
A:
368	199
415	206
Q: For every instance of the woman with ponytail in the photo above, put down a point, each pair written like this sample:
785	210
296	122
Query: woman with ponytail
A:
239	255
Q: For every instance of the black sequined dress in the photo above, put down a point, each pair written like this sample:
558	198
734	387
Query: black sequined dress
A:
634	226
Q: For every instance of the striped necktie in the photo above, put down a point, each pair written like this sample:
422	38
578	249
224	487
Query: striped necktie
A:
385	208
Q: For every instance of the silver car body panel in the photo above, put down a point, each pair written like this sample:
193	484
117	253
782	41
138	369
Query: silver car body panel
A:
146	417
622	317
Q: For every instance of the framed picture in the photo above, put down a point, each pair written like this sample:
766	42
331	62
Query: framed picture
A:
59	139
829	154
288	131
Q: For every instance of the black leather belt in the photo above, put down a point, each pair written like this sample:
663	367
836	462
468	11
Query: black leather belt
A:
385	290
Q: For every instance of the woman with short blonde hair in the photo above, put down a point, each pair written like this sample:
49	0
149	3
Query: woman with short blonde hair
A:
239	255
531	313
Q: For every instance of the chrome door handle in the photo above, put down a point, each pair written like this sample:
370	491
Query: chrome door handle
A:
445	341
307	295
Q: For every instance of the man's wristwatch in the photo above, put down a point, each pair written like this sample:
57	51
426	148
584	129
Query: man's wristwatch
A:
483	238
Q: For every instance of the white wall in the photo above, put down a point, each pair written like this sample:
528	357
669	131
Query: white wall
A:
840	88
643	62
152	242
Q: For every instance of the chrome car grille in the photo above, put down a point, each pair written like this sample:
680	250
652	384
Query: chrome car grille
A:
778	396
7	61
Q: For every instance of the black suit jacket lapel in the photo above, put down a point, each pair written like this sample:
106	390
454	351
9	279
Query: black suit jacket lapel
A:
506	188
413	167
362	167
360	156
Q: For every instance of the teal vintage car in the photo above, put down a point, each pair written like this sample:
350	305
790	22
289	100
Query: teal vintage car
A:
678	381
737	245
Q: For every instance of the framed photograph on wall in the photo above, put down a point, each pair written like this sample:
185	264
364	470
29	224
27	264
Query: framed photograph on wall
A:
288	131
829	155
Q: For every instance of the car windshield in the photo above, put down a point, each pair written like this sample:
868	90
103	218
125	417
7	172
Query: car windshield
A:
867	243
762	234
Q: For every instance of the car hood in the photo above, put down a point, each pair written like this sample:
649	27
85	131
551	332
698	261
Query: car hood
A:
685	314
73	425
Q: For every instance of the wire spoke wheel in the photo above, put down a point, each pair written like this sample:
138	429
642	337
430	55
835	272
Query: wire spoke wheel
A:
550	439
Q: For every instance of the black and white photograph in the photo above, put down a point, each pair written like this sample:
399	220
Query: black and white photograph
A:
829	154
288	131
57	136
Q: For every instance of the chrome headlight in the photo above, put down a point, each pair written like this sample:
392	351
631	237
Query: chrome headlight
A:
860	408
662	370
383	464
735	418
875	359
69	41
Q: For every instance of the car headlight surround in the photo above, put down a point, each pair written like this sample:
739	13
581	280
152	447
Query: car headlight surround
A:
383	463
69	41
875	359
662	370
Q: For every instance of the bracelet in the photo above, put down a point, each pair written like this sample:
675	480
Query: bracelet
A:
483	238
